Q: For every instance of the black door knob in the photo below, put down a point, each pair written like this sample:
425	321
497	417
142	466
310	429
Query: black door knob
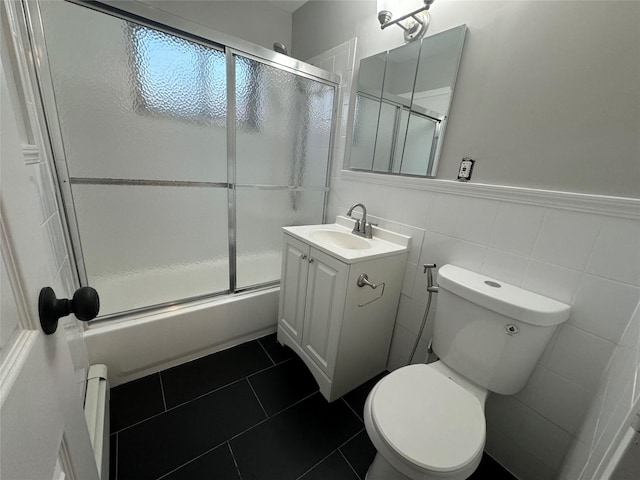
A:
85	305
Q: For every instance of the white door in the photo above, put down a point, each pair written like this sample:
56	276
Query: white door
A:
43	434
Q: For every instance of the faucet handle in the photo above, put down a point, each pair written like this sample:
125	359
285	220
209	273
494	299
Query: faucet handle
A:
368	231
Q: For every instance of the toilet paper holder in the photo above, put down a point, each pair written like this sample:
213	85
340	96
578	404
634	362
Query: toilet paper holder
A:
363	281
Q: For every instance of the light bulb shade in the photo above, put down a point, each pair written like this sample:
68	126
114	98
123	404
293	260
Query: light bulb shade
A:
384	6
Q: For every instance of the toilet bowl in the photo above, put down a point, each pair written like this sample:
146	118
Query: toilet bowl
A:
427	421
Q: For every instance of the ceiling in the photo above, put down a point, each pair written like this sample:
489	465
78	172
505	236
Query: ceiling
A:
289	5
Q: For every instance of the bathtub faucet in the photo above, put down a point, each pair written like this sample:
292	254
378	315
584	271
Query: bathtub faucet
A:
361	227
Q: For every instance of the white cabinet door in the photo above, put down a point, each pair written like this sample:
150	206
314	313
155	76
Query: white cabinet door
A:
293	288
43	434
326	290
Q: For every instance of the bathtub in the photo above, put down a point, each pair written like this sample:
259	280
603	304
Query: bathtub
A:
142	344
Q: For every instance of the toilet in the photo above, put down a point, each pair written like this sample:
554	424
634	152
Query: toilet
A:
427	421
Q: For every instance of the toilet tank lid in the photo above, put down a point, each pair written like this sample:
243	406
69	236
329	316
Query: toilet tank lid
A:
502	297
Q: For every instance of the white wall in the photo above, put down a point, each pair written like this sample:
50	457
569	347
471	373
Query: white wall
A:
547	96
580	249
258	22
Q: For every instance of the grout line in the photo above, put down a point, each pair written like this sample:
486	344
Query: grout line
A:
268	368
315	465
361	418
180	405
331	453
266	415
348	463
168	409
164	401
269	418
234	460
265	350
164	475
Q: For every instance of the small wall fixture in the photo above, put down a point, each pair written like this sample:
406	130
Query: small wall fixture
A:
416	21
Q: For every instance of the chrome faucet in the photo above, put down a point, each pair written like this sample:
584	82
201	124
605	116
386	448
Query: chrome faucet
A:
361	227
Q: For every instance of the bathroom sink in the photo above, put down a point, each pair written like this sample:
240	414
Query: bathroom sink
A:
340	239
337	240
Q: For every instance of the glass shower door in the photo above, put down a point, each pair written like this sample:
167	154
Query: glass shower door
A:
142	118
283	134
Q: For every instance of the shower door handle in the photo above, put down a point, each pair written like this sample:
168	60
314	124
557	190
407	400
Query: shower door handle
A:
85	305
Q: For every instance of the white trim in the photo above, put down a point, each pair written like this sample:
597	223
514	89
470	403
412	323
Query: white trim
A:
625	207
31	154
11	368
26	316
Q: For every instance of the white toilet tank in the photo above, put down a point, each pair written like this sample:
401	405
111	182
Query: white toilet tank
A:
491	332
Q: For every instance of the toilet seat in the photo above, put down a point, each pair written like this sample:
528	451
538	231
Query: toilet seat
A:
428	420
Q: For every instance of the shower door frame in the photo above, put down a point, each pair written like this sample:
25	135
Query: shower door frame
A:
231	46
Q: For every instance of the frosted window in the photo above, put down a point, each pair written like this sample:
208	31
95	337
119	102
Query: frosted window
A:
133	102
174	76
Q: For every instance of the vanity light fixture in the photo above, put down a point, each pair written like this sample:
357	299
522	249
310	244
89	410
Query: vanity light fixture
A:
416	22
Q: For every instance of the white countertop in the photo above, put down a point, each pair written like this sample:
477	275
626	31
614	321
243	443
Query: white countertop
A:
384	242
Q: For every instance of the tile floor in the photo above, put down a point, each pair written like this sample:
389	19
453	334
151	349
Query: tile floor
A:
252	412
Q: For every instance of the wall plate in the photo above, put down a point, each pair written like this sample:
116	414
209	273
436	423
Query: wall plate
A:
466	167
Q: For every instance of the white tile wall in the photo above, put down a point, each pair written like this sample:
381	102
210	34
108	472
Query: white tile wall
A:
617	399
566	238
552	251
588	260
59	263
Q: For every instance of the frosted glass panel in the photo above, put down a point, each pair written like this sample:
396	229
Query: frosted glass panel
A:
261	214
365	124
385	138
134	102
147	245
283	124
399	147
418	145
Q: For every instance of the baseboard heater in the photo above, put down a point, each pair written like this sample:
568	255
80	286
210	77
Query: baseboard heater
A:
96	412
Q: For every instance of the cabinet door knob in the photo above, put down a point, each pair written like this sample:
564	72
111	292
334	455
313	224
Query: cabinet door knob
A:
303	256
311	260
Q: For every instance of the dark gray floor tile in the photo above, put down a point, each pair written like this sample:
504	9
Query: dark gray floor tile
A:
290	443
278	353
218	464
357	397
282	385
359	452
167	441
489	469
334	467
113	456
135	401
190	380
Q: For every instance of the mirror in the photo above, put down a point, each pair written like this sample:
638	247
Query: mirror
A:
402	105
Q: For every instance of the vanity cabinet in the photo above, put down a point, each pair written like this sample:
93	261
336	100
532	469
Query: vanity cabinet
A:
340	330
